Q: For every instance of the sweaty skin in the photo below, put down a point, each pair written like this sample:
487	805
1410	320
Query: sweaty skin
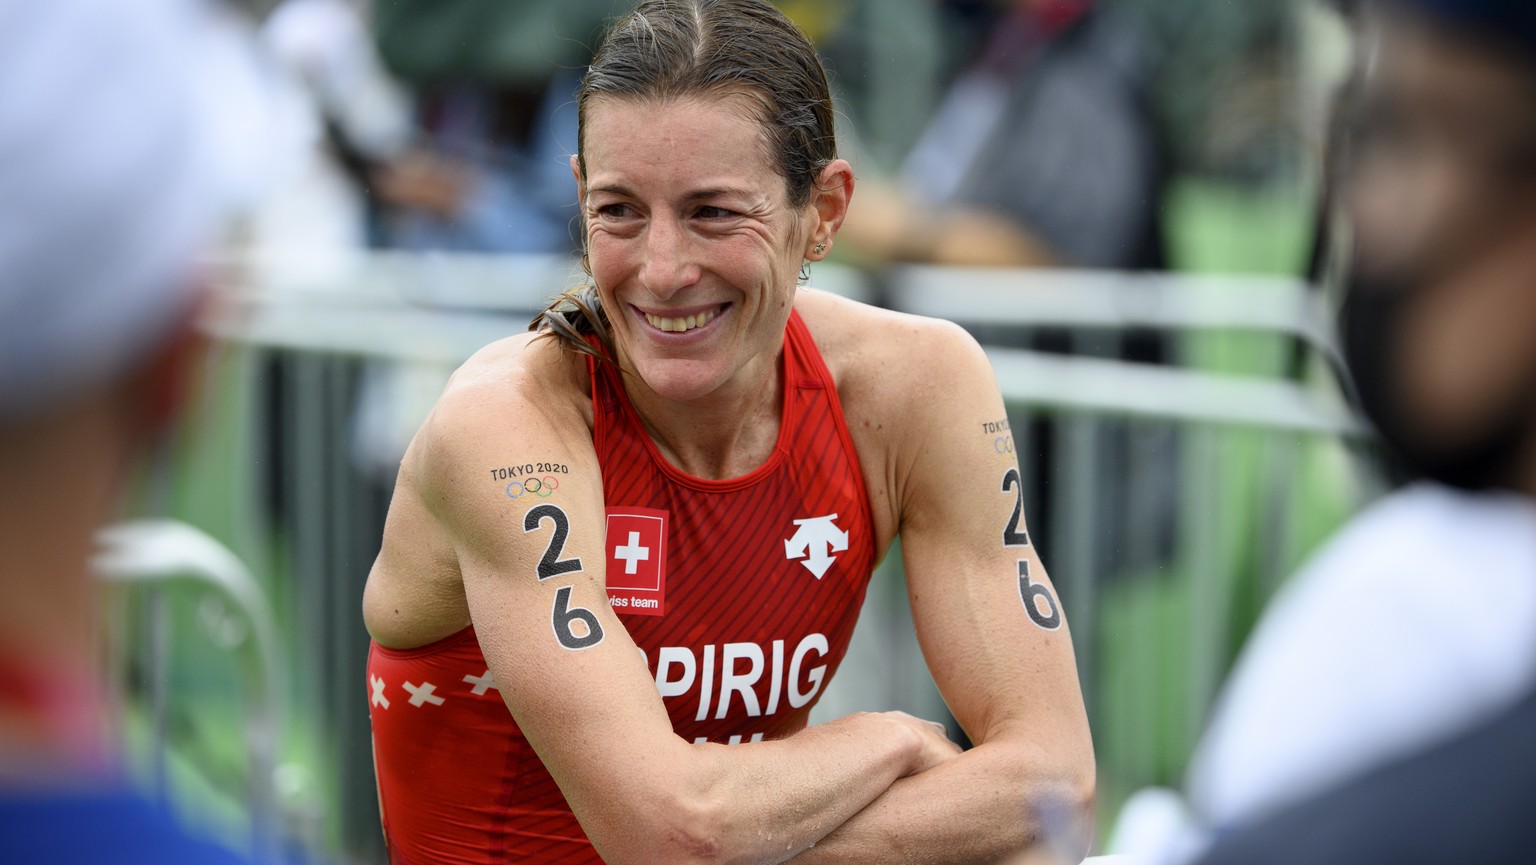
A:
685	220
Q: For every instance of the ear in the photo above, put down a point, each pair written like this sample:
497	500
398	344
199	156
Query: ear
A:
581	185
830	196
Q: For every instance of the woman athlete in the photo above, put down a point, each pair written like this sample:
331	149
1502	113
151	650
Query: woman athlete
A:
626	551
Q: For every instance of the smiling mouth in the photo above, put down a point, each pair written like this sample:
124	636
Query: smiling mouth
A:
682	324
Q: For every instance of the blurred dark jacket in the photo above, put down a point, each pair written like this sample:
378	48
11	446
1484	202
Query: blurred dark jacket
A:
1468	800
1052	126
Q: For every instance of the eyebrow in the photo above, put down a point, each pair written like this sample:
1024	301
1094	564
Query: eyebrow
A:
696	195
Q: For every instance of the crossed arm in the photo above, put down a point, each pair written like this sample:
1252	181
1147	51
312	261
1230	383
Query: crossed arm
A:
994	636
866	788
578	687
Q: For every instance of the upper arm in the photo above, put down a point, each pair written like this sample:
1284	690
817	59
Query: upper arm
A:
520	494
988	618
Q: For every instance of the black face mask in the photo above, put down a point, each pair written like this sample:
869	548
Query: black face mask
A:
1371	326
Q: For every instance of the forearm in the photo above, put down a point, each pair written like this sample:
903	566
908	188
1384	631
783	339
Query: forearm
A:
987	805
755	803
818	779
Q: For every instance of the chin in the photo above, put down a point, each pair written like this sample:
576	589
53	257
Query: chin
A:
680	380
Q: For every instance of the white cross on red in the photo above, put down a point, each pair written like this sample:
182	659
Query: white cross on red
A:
632	553
422	694
378	692
482	683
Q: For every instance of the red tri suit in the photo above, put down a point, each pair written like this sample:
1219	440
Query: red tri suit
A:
742	595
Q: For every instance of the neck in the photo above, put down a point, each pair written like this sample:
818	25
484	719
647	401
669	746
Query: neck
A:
724	435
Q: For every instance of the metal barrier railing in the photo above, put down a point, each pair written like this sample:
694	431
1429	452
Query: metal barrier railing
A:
159	556
1216	498
1140	458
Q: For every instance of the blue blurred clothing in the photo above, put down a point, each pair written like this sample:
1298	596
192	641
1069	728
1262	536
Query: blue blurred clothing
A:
522	197
110	826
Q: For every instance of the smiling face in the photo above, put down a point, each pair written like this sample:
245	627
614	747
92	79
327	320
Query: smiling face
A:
693	244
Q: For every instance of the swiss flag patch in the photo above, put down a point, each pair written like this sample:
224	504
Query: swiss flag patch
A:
637	561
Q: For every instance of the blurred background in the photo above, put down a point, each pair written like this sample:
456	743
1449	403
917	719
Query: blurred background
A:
1121	199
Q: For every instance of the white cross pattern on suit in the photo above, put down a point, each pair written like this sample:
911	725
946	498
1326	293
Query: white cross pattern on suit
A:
422	694
632	553
482	683
378	692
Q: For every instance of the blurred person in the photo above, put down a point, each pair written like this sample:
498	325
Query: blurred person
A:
358	118
105	194
1043	152
496	84
486	170
626	552
486	176
1466	799
1382	710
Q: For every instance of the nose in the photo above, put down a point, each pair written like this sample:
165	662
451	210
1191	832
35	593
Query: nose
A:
670	264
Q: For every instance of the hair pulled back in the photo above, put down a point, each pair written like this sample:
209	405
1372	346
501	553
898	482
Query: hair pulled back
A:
676	49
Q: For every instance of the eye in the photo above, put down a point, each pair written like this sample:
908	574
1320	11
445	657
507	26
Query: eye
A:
709	211
615	211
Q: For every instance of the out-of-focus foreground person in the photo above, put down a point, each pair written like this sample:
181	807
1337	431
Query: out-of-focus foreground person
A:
103	204
1383	711
626	552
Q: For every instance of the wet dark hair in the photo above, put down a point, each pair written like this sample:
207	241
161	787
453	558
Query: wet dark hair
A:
676	49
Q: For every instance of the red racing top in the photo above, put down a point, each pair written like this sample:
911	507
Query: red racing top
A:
741	593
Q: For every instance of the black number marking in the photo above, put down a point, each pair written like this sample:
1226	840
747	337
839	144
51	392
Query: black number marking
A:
1012	537
1031	594
564	614
551	565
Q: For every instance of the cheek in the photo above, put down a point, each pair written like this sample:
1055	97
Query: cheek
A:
1400	212
748	261
1468	349
1421	213
609	257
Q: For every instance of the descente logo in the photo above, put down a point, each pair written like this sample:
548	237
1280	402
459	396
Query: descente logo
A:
814	542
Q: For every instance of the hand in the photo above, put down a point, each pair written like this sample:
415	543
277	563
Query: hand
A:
934	746
424	180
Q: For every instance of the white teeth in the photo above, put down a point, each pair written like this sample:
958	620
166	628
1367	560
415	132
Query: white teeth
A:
678	325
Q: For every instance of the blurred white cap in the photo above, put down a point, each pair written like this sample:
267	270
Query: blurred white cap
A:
106	190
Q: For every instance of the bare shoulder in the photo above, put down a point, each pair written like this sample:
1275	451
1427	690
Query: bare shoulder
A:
903	380
518	368
511	402
882	360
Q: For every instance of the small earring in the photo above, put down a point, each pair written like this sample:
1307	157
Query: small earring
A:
820	248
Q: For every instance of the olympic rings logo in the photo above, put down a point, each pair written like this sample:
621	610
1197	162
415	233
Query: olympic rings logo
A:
540	487
1003	446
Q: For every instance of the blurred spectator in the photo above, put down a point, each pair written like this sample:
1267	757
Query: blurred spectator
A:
489	170
356	118
1043	152
106	193
496	83
1465	800
1417	625
886	63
